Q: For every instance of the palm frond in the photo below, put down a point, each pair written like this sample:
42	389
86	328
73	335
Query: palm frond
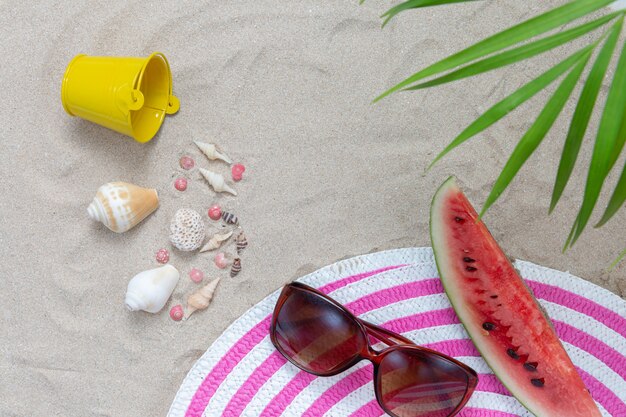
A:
518	33
582	114
415	4
606	149
514	100
518	54
617	261
533	138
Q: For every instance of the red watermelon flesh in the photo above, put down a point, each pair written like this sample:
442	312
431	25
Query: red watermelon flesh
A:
502	317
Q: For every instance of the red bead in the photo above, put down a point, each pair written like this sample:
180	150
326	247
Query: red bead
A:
180	184
215	212
186	162
237	171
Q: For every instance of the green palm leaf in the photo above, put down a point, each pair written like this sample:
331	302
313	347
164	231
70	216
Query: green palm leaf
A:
518	54
619	258
582	114
607	148
521	32
617	199
514	100
537	132
415	4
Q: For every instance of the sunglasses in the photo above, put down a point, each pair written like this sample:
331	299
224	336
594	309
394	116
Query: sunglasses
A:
321	337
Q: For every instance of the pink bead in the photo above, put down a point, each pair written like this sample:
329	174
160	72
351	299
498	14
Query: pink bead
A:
220	260
163	256
215	212
177	313
186	162
237	170
180	184
196	275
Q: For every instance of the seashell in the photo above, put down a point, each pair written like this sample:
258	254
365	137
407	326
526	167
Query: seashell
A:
242	242
237	172
180	184
229	218
120	206
187	230
220	260
212	152
149	290
177	313
201	298
216	181
163	256
236	268
196	275
215	212
216	241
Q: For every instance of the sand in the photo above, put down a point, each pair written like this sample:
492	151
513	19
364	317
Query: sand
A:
285	88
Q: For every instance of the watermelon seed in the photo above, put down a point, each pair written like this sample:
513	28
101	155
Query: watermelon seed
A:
512	353
538	382
470	268
531	366
494	296
468	259
489	326
459	219
499	305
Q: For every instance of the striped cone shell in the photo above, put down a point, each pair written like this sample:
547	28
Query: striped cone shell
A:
236	268
229	218
242	242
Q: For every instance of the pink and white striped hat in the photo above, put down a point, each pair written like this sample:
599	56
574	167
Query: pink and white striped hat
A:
241	374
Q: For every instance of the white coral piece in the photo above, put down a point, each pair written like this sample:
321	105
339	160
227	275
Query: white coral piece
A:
187	230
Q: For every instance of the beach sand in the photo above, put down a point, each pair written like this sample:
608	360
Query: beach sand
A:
285	88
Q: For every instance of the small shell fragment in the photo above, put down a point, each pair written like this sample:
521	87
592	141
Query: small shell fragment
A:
236	268
242	242
220	260
229	218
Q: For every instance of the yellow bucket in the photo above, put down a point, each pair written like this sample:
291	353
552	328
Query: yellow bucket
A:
129	95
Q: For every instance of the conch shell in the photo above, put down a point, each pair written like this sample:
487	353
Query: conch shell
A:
120	206
216	241
187	231
212	152
201	298
217	181
149	290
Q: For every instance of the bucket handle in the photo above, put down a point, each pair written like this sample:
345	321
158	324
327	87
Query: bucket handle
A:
127	99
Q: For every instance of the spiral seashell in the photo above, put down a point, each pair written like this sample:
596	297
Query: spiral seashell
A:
201	298
177	313
149	290
120	205
217	181
216	241
229	218
242	242
212	152
187	230
236	268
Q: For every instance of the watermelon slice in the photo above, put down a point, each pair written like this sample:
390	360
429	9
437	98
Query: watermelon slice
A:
502	317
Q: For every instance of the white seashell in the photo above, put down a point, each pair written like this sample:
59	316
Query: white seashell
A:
216	241
201	298
212	152
217	181
120	206
149	290
187	230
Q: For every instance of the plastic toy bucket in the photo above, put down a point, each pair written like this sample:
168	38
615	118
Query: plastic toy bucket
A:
129	95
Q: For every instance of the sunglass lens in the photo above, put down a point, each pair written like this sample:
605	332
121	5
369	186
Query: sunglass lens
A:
419	384
316	334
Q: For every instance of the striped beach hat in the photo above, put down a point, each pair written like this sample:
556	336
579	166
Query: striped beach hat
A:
241	374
